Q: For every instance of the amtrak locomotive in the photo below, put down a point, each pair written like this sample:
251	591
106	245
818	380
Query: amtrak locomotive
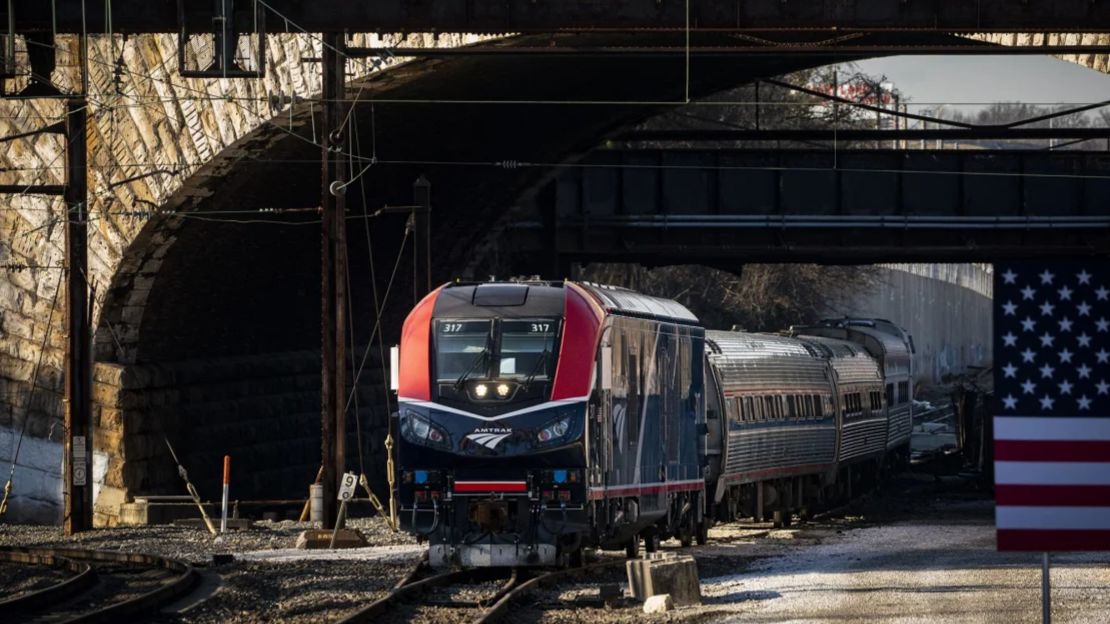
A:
538	418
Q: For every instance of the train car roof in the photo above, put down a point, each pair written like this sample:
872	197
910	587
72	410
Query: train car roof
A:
617	300
852	362
756	346
749	362
482	300
890	344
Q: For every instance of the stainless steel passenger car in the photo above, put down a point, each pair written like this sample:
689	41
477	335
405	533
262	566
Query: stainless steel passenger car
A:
893	348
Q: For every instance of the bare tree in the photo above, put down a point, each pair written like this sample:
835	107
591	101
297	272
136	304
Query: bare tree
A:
764	297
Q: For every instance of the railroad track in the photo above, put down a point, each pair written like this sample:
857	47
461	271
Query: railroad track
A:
480	595
100	586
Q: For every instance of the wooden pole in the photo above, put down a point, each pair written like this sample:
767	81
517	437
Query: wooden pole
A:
333	386
422	226
77	462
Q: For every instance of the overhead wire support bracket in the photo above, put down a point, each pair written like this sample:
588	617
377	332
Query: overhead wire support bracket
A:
7	48
225	38
33	189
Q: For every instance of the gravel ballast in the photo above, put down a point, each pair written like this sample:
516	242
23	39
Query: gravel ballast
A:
921	552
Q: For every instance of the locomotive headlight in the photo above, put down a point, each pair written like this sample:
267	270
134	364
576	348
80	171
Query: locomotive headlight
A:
416	428
554	431
503	390
481	390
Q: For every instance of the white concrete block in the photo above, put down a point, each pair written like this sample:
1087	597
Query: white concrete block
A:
658	604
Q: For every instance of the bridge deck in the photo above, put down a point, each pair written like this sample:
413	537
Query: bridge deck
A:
655	206
501	16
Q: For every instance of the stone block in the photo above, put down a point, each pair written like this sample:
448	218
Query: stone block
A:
104	394
319	539
676	575
107	373
658	604
106	508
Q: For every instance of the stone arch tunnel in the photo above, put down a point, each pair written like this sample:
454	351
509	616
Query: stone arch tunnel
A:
220	353
208	329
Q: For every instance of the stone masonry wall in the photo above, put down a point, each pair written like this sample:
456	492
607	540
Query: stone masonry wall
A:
150	133
262	410
1098	62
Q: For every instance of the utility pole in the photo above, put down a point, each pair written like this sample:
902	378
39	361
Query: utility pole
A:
77	464
422	235
333	386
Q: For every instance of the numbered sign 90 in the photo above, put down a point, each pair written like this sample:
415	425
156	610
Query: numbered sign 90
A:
347	487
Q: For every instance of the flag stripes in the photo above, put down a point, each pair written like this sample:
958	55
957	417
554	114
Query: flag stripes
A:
1052	405
1052	495
1043	541
1052	450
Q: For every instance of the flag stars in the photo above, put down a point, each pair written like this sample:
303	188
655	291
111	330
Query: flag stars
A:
1046	371
1009	276
1084	371
1009	308
1102	324
1046	402
1066	386
1083	339
1065	324
1083	309
1083	402
1065	293
1102	387
1047	277
1047	339
1027	355
1009	370
1065	356
1010	401
1028	387
1047	308
1102	293
1083	276
1028	292
1103	356
1009	340
1028	324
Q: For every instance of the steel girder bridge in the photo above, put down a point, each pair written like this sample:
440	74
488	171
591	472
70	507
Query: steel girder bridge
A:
501	16
726	207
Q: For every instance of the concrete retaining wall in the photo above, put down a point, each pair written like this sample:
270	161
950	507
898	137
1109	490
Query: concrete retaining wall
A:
946	307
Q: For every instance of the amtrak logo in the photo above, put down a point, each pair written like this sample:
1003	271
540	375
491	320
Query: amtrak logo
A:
489	437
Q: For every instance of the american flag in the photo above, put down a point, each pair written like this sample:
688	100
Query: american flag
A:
1052	393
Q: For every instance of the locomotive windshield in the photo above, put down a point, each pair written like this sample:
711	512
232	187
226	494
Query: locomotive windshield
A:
462	349
495	361
527	349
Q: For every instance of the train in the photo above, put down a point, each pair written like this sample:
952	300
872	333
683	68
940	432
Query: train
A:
536	419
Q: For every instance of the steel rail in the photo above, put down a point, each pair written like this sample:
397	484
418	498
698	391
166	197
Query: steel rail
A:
499	608
408	588
29	602
181	583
